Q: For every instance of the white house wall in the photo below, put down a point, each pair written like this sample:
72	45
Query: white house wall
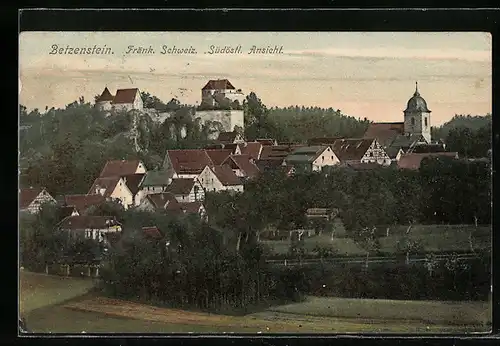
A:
123	193
327	158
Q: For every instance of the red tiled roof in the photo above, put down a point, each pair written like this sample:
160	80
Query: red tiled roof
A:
413	160
218	155
125	96
189	161
243	163
119	168
252	149
232	147
80	222
108	183
278	151
83	202
133	182
226	175
181	186
27	196
105	96
66	211
218	84
351	149
384	132
152	232
160	199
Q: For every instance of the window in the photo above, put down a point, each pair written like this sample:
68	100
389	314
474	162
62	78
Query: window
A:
332	157
412	121
425	120
322	159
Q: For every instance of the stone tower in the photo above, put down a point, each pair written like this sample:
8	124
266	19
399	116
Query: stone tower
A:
417	116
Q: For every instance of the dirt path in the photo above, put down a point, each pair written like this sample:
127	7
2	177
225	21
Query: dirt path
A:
265	322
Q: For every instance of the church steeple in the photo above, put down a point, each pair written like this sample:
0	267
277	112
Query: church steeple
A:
416	90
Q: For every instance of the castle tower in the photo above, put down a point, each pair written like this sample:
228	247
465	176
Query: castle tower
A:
417	117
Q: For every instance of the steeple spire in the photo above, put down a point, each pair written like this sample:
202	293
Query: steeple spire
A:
416	89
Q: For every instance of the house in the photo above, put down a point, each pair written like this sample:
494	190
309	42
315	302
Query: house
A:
127	100
220	88
243	166
312	158
252	149
232	137
104	102
113	188
186	163
31	199
220	178
122	168
133	182
82	202
413	160
158	201
218	156
362	150
68	210
89	227
186	190
385	133
154	182
275	155
196	208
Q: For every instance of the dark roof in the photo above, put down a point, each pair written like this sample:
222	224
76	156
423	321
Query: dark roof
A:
385	133
105	96
119	168
232	147
351	149
83	202
392	152
416	103
405	141
189	161
79	222
218	84
108	183
243	163
323	140
266	164
28	195
152	232
181	186
66	211
191	207
228	137
155	178
252	149
305	154
226	175
277	151
429	148
159	200
413	160
218	155
266	141
125	96
133	182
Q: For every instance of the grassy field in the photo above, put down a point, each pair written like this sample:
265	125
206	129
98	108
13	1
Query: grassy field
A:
434	238
39	290
61	305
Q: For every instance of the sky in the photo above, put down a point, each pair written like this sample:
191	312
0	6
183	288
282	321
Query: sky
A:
364	74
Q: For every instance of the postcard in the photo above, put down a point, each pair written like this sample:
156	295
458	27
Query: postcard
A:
255	182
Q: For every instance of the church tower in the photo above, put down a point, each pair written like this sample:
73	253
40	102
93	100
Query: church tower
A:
417	117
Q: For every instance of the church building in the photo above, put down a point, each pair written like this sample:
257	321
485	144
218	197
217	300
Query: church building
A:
414	132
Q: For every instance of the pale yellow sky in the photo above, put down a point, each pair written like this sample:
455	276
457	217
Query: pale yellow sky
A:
368	75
